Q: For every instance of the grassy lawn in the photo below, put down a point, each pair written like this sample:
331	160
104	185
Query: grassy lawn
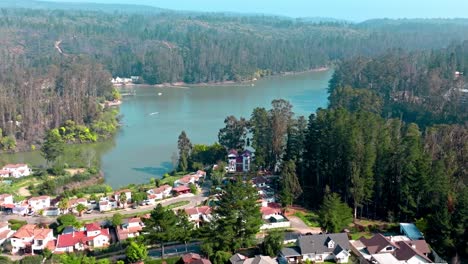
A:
310	218
171	260
357	235
177	204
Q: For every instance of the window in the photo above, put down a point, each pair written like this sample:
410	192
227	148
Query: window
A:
389	248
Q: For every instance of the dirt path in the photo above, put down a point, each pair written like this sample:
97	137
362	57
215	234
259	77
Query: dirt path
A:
23	191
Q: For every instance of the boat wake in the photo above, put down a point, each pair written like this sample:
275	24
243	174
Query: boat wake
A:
154	113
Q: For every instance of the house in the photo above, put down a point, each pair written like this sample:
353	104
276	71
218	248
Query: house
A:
5	232
6	199
39	203
93	236
31	239
187	180
192	258
159	193
73	203
258	259
105	206
411	231
239	162
181	190
20	210
128	195
51	211
4	173
130	228
260	182
319	248
16	170
400	247
199	215
270	210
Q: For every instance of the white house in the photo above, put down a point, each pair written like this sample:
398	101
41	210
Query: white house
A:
199	214
39	203
5	232
105	206
159	193
6	199
30	238
402	248
4	173
128	195
16	170
131	228
239	162
93	237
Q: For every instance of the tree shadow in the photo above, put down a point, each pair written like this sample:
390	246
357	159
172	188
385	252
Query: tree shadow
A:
164	167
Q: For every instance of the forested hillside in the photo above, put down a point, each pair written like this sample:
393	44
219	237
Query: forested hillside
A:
55	64
426	87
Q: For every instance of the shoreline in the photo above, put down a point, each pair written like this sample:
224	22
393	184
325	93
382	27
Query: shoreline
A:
183	85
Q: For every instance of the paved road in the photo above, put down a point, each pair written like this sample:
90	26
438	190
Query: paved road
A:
193	200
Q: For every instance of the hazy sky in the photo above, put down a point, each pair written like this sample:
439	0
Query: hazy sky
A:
342	9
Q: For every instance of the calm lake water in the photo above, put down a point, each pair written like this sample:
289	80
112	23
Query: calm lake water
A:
152	123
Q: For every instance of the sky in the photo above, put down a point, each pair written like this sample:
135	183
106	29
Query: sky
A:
355	10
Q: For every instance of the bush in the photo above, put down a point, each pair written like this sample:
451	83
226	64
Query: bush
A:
16	224
31	260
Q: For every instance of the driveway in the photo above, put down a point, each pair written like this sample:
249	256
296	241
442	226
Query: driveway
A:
298	225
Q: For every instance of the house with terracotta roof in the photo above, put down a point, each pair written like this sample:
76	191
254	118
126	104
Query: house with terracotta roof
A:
5	232
159	193
16	170
32	239
130	228
39	203
93	236
400	247
193	258
4	173
105	206
181	190
199	215
73	203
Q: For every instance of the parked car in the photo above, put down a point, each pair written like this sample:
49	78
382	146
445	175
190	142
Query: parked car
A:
89	211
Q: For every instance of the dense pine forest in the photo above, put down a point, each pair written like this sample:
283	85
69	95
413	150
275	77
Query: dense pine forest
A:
393	143
55	64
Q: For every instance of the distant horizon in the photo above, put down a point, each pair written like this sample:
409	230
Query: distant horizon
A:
354	11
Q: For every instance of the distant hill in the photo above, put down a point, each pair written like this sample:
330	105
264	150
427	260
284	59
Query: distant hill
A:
108	8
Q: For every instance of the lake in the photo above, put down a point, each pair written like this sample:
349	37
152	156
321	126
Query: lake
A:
155	116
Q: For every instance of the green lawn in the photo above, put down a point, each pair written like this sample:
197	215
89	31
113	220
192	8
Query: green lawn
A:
177	204
171	260
310	218
357	235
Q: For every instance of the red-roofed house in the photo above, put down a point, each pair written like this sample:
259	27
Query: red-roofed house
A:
199	214
17	170
270	210
131	228
4	173
181	190
5	232
30	238
193	258
159	193
93	237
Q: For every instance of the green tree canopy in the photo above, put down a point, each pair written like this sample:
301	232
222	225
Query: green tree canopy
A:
273	243
53	146
334	214
236	219
136	252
